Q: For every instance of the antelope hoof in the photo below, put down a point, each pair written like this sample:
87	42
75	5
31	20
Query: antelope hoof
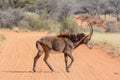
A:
52	70
67	71
34	70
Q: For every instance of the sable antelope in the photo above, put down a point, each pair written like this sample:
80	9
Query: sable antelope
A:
64	43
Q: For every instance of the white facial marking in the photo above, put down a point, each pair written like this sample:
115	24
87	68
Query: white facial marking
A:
89	46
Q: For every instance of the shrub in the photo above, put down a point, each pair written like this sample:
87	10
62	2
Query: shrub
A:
69	26
36	22
32	21
17	19
54	27
48	25
112	28
10	17
119	19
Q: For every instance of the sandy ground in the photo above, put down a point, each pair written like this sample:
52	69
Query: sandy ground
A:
18	51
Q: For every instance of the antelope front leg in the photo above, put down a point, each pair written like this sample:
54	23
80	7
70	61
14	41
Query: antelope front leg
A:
45	60
72	59
66	61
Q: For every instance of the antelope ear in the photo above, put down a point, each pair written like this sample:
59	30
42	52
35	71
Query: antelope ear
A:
78	35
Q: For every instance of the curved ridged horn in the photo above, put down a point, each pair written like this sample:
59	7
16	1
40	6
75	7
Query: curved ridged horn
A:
83	21
91	30
90	27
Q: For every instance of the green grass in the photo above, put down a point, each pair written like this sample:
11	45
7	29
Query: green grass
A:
110	40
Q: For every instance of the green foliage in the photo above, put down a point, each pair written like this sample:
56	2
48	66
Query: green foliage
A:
36	22
33	21
45	25
16	3
54	27
119	19
11	17
43	14
29	1
69	25
38	25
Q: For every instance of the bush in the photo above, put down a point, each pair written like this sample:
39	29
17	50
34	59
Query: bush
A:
32	21
69	26
119	19
54	27
18	19
49	25
10	18
112	28
36	22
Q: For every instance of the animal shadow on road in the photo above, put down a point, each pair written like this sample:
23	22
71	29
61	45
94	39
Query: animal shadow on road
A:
27	72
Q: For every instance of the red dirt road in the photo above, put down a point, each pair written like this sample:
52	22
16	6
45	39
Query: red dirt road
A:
18	50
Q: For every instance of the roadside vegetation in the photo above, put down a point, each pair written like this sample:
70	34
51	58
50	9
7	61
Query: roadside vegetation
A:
110	40
20	15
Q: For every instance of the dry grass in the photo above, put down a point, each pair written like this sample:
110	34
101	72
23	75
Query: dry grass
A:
111	40
2	38
19	29
108	17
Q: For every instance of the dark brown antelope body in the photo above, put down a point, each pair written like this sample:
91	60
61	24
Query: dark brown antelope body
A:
56	43
64	43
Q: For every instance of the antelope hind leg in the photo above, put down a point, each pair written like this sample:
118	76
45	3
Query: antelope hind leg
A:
36	59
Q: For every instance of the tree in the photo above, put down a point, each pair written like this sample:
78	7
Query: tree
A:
65	12
91	7
105	8
94	7
15	3
45	8
116	6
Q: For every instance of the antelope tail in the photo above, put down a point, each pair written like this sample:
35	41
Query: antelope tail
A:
37	44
